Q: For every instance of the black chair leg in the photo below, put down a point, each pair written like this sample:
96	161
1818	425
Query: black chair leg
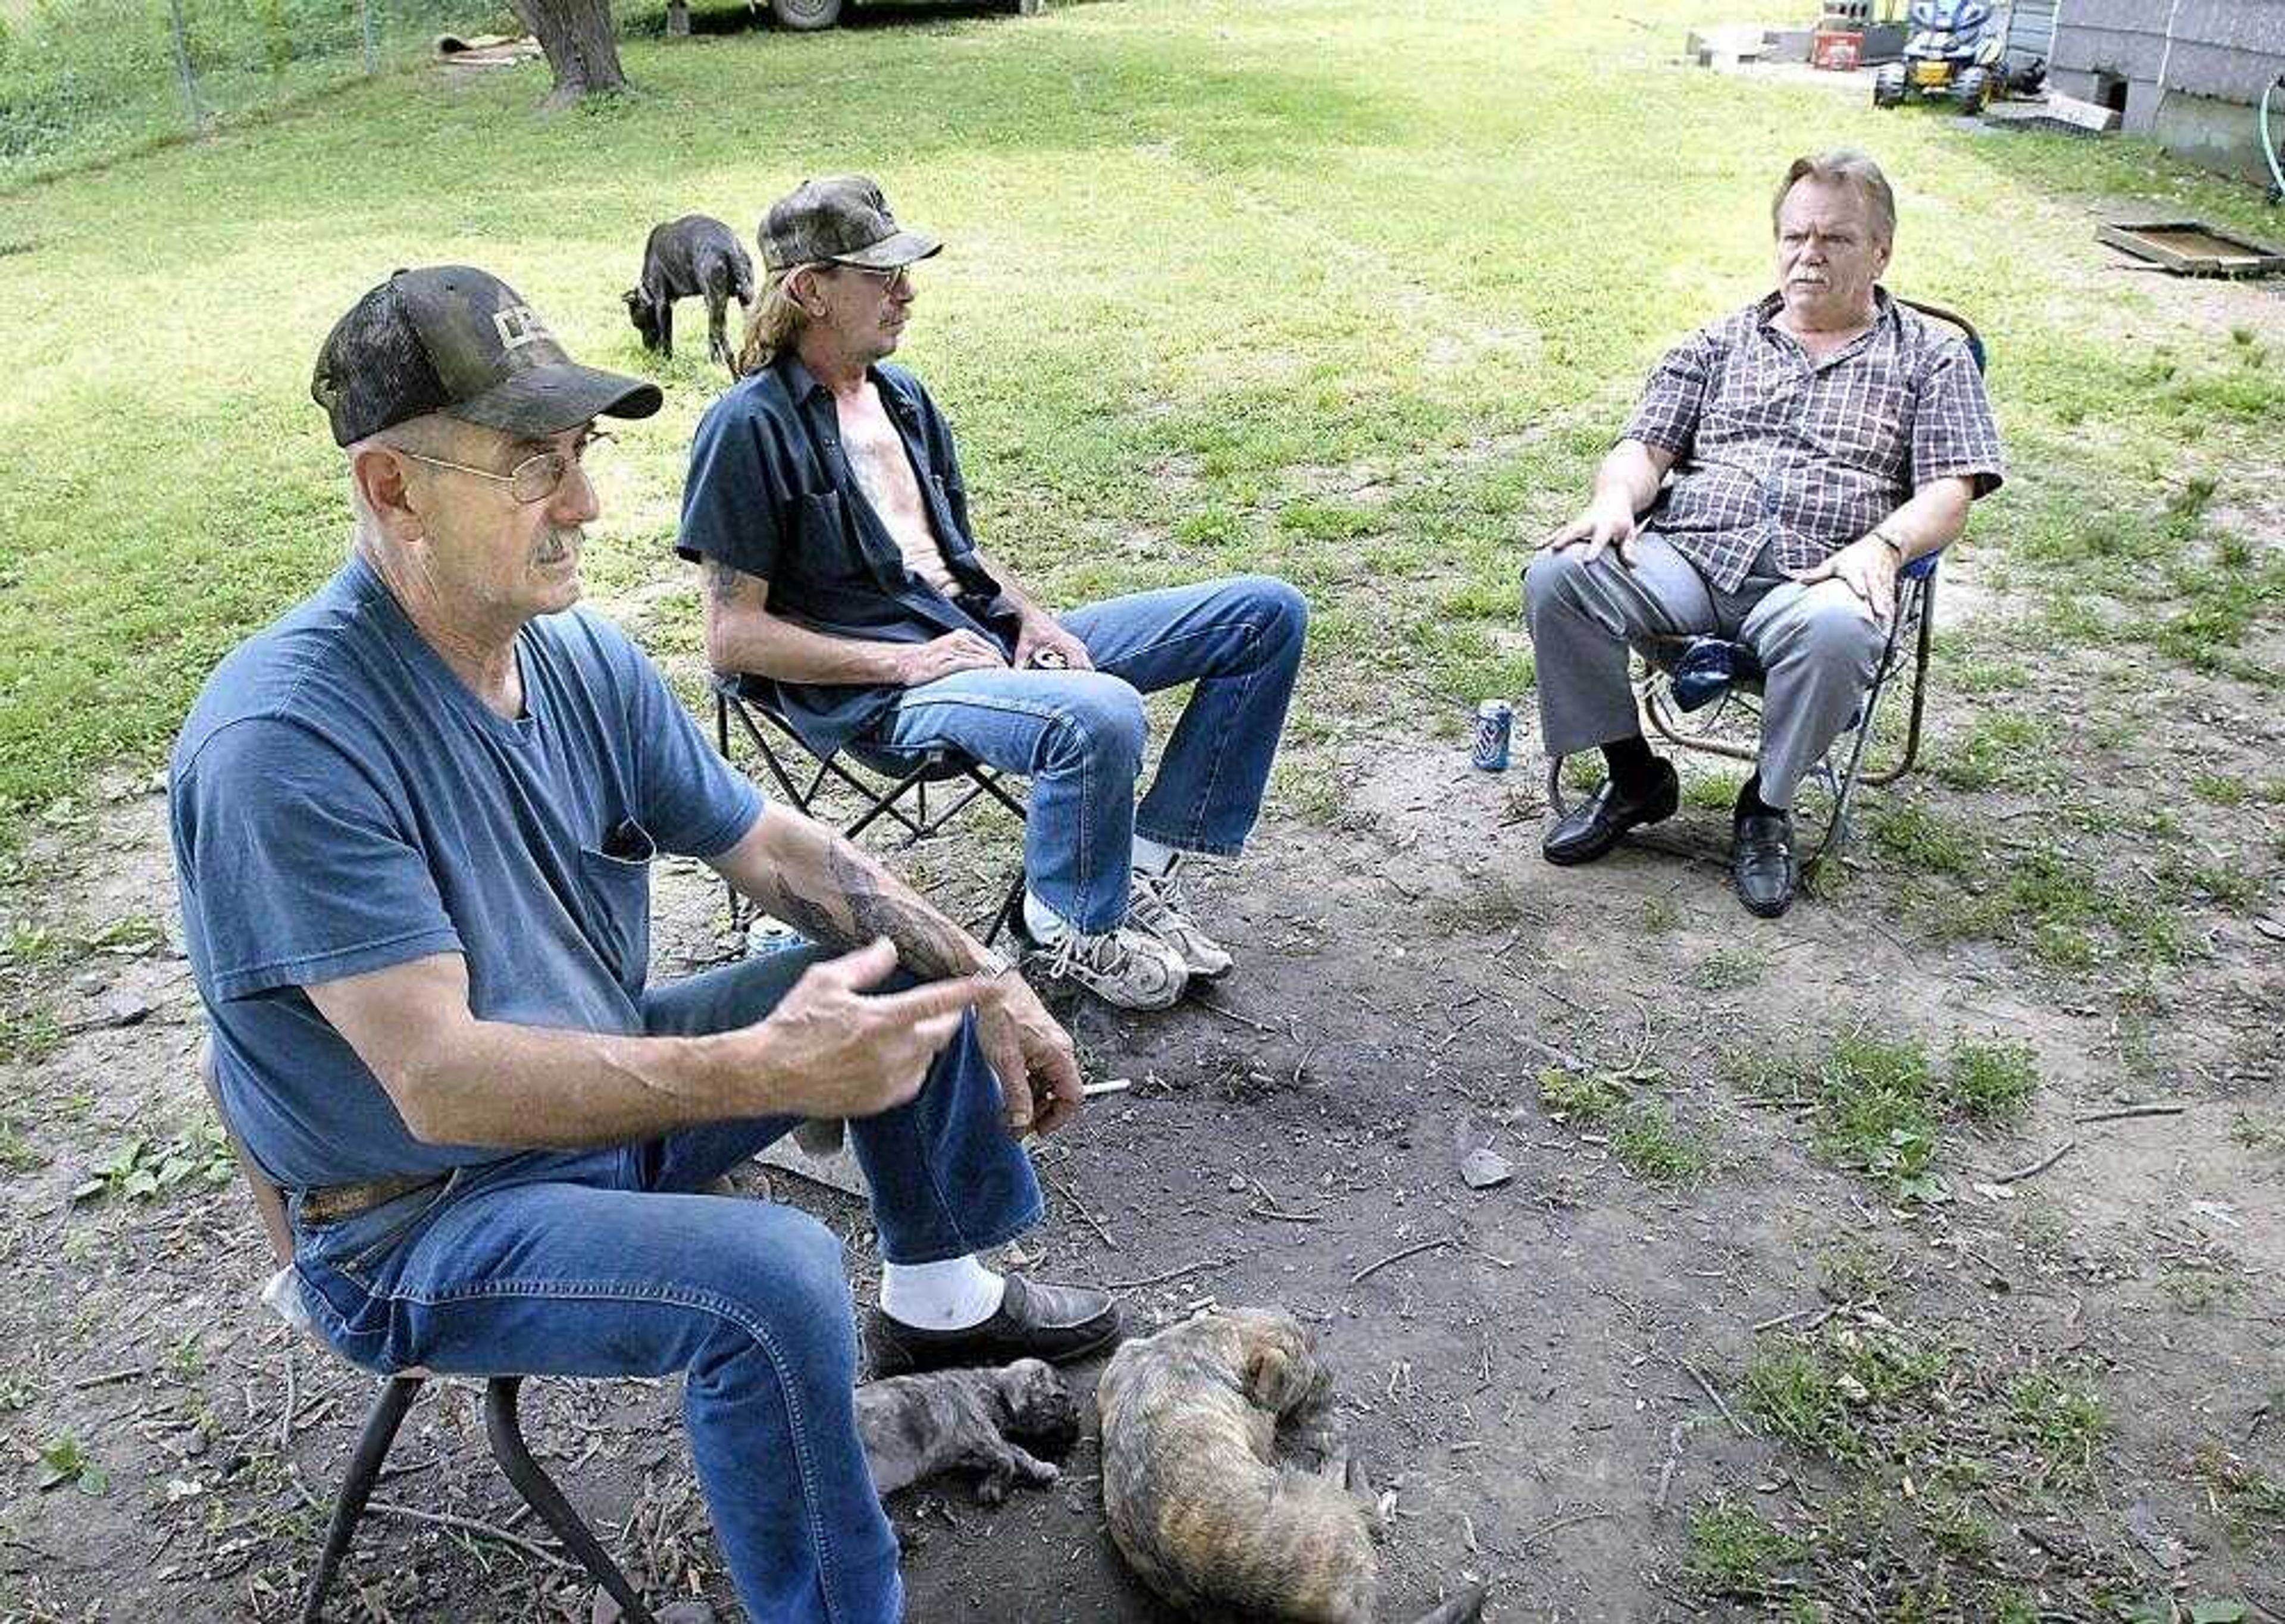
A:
1004	918
387	1414
541	1494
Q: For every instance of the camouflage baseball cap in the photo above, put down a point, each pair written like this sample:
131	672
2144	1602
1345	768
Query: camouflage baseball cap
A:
458	340
842	217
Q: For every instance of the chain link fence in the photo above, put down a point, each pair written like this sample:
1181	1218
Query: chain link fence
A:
84	80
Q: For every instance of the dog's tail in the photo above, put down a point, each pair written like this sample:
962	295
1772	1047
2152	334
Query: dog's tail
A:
1466	1607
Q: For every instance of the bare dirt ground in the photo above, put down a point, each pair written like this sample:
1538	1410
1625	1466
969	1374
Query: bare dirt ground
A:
1697	1355
1553	1381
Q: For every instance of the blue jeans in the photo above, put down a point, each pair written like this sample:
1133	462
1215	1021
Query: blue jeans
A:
602	1263
1078	735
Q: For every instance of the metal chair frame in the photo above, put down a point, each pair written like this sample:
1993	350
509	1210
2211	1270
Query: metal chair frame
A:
1844	767
502	1427
971	779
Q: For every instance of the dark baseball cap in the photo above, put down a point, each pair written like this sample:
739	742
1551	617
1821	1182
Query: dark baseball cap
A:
845	218
458	340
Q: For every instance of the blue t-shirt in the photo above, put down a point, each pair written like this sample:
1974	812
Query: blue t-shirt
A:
340	802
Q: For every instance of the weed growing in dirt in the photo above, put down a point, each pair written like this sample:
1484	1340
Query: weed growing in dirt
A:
140	1169
1715	792
17	1154
1644	1135
1936	1448
1728	968
1880	1106
1918	837
1656	1149
2056	1422
1733	1552
2003	750
2252	1504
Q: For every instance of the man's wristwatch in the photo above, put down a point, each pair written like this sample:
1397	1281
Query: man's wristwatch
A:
993	965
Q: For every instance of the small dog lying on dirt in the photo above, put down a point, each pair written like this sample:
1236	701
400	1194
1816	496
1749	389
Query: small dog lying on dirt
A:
986	1422
685	259
1198	1501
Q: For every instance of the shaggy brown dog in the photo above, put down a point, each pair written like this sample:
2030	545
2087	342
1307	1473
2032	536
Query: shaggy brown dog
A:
1198	1501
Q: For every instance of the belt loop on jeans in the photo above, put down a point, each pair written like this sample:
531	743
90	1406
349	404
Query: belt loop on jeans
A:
330	1204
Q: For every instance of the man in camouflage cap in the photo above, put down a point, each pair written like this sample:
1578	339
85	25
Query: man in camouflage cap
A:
845	584
412	824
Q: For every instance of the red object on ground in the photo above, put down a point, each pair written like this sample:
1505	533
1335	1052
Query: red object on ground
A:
1830	48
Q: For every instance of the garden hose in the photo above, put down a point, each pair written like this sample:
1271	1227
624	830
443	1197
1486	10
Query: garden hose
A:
2269	143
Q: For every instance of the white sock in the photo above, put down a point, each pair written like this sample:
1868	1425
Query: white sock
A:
1041	923
1152	858
949	1296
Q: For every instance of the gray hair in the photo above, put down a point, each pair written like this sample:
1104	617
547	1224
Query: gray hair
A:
431	435
1844	166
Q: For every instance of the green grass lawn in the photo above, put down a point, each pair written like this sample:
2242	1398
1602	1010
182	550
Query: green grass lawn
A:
1352	292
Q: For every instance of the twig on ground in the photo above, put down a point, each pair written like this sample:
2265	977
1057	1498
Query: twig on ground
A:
1229	1014
1546	1528
470	1524
125	1373
2124	1112
1162	1277
2038	1168
286	1418
1720	1403
1266	1207
1371	1269
1815	1316
1079	1208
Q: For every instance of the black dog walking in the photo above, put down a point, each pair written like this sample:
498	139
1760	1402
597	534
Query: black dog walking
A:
694	255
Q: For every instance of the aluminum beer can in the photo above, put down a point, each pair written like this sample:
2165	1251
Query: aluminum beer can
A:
1495	721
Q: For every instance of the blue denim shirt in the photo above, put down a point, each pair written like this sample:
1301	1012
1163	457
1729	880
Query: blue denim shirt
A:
771	493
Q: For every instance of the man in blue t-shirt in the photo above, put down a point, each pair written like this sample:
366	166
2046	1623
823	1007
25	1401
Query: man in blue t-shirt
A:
412	822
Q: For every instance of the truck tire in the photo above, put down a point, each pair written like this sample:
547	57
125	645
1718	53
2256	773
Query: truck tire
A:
806	16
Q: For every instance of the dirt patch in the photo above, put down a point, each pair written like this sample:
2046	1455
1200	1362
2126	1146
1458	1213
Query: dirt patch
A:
1537	1383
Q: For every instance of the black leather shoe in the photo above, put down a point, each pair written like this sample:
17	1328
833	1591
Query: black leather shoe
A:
1056	1323
1595	825
1761	862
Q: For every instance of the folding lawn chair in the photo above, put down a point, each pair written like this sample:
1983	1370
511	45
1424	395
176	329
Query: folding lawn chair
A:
1686	697
892	785
502	1425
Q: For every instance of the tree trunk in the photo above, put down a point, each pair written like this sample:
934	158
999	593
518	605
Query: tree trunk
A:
583	51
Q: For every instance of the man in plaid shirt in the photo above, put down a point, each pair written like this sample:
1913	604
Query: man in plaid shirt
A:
1819	439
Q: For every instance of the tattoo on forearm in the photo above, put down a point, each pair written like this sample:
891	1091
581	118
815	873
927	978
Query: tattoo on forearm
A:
859	908
722	581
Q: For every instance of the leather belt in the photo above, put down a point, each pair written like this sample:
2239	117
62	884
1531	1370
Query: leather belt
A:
330	1204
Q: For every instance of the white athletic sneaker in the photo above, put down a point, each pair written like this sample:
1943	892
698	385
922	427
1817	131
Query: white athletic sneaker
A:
1155	905
1126	966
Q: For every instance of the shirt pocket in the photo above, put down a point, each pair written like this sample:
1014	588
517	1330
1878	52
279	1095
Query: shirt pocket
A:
617	883
826	554
1867	427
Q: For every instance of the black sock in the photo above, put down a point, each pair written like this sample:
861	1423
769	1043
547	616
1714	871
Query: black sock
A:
1749	801
1633	768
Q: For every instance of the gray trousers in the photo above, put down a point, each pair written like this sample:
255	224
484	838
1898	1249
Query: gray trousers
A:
1819	644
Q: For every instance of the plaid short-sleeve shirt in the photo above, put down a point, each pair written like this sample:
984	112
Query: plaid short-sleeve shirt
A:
1772	448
